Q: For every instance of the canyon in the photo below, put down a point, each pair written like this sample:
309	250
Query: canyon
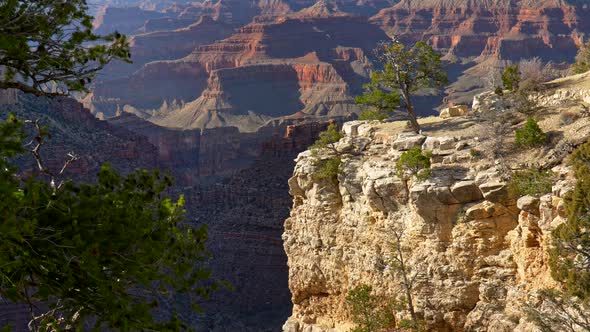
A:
226	94
232	181
234	53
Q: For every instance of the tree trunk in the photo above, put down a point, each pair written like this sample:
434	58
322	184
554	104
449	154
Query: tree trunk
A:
411	112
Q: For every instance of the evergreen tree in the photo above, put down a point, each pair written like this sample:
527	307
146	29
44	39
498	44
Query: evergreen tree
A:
47	47
582	63
406	69
102	255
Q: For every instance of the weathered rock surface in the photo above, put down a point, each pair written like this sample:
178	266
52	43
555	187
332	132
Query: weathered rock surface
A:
480	253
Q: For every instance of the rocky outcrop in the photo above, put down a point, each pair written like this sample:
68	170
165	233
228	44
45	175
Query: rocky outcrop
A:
479	252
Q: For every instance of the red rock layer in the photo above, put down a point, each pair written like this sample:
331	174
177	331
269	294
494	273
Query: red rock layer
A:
506	30
309	54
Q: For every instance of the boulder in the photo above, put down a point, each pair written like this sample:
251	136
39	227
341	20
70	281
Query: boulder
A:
496	192
350	128
430	144
528	204
407	141
447	143
466	191
454	111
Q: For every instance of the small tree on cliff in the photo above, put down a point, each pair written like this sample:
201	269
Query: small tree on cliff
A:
328	168
101	255
582	63
405	70
511	78
370	313
413	163
407	275
569	306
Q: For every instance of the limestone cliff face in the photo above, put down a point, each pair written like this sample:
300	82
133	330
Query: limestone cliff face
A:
480	252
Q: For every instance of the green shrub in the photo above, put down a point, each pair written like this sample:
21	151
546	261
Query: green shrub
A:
328	169
475	153
373	114
568	257
582	63
532	182
511	78
414	163
530	135
369	312
499	91
327	138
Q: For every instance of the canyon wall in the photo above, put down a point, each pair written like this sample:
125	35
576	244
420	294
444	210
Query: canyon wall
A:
266	70
211	86
233	182
506	30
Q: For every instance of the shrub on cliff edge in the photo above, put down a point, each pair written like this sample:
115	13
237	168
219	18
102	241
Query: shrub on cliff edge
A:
530	135
511	78
582	63
569	304
532	182
413	163
327	169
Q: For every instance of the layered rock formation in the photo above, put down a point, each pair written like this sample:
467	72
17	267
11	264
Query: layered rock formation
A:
125	20
482	36
270	69
480	251
508	30
168	45
478	36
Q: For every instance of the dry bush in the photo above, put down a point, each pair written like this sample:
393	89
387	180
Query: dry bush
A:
534	73
568	117
493	79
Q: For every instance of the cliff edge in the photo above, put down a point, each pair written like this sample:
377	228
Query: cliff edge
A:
479	248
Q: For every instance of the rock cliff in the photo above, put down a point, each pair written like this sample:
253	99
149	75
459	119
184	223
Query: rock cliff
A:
480	250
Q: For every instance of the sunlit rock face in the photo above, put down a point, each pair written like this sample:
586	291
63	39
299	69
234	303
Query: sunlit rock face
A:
480	250
507	30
